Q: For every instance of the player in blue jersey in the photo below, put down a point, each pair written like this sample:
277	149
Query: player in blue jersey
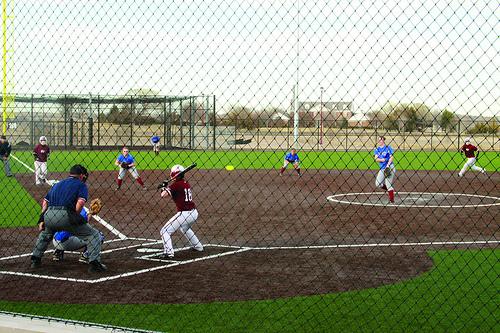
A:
384	155
293	158
66	241
125	162
155	141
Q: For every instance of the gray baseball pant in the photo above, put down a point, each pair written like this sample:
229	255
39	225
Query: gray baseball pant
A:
60	218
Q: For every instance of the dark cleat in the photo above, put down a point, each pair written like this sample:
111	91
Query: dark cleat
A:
97	267
36	262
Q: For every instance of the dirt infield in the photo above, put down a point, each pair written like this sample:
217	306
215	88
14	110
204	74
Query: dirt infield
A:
267	236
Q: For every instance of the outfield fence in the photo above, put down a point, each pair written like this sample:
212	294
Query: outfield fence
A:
264	166
193	123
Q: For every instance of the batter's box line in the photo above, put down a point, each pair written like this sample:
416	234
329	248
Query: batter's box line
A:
124	275
157	251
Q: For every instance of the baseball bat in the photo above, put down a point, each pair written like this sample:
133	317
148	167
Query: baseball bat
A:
166	182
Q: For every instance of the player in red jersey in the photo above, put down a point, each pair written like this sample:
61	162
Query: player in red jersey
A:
469	150
41	154
186	216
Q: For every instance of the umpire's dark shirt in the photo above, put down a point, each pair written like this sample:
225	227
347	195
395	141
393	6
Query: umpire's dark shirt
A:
5	149
66	193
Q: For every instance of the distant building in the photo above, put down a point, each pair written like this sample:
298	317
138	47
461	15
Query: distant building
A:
331	113
359	120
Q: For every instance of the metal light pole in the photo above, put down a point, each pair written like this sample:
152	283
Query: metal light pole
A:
321	116
296	88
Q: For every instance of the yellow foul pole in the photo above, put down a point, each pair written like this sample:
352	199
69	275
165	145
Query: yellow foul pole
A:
4	66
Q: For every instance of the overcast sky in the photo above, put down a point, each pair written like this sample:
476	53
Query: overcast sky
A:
445	55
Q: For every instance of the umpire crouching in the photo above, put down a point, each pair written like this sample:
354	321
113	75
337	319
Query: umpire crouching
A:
61	211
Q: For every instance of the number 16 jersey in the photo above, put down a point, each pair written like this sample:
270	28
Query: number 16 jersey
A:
180	191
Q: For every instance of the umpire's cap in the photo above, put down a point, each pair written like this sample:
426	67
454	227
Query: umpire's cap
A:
78	170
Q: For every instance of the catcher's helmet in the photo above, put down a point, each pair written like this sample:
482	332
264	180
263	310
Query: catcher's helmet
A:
467	139
42	138
176	169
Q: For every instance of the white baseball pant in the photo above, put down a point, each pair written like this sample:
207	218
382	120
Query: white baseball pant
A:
382	180
295	164
184	221
133	171
40	172
470	163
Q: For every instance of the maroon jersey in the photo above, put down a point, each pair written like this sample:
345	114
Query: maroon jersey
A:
180	191
469	150
41	152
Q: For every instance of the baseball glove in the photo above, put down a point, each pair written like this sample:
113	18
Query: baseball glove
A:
387	172
125	165
95	206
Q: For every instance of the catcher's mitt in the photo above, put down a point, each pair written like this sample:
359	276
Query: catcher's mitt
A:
95	206
387	172
125	165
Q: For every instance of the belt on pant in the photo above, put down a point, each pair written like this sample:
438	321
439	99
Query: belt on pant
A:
60	208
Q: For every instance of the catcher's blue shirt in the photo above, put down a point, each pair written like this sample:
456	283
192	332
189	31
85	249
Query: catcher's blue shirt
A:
129	159
67	192
384	152
292	157
62	236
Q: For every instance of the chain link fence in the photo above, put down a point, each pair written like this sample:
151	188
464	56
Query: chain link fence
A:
263	167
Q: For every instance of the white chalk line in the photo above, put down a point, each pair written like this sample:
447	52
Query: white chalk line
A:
238	249
156	250
22	163
105	224
333	198
105	251
108	226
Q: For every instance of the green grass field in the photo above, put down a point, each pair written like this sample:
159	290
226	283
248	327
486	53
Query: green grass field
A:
17	207
457	295
104	160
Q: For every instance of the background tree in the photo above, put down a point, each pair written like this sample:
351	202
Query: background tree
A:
402	116
489	127
240	117
447	120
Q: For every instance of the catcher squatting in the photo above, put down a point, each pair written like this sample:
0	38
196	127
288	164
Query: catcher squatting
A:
61	211
66	241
